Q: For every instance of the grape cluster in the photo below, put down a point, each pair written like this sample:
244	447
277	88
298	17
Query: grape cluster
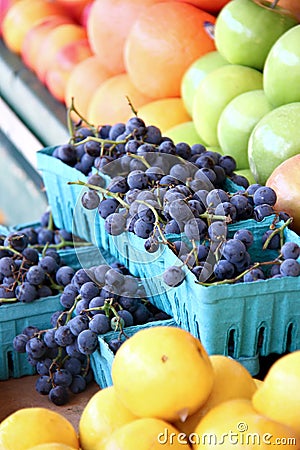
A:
46	233
95	301
30	264
95	148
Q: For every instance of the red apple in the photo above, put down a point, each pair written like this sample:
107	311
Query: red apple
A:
286	183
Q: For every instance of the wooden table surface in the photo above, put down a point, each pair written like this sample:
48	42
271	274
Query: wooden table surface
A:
17	393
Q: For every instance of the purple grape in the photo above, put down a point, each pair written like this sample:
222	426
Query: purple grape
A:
87	342
59	395
290	268
290	250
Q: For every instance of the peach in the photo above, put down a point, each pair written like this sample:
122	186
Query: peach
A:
4	7
65	60
22	16
33	40
74	8
82	83
57	39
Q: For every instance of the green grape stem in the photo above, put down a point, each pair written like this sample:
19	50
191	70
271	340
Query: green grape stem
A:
10	249
8	300
276	231
102	190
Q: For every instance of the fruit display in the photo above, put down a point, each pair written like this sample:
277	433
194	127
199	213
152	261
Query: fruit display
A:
180	180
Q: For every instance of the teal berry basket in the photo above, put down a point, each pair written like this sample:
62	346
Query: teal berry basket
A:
245	320
65	199
102	359
14	318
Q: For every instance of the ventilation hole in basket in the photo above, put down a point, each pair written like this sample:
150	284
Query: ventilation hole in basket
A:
10	363
289	338
231	343
260	338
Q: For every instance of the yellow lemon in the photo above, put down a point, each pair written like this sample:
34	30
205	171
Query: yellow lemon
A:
231	380
146	434
258	382
236	425
279	395
28	427
101	416
162	372
52	446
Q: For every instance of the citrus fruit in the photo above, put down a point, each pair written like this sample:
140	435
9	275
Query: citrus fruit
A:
90	69
162	372
27	427
231	380
108	25
163	113
101	416
164	40
184	132
22	16
235	424
279	395
145	434
52	446
109	104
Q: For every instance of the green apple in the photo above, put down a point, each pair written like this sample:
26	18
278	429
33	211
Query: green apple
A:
237	121
245	30
184	132
247	174
281	75
215	92
274	139
196	73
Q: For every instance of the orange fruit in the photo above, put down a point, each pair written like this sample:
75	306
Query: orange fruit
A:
164	113
162	372
108	25
235	424
109	104
55	40
102	415
27	427
145	434
22	16
162	43
279	396
231	380
212	6
90	69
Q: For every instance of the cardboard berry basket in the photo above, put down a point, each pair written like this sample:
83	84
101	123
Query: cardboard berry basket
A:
65	199
14	317
102	358
245	320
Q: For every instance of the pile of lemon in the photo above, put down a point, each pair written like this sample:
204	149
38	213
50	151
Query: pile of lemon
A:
168	393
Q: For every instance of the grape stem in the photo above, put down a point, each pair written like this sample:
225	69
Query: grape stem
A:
276	231
102	190
8	300
10	249
141	158
157	220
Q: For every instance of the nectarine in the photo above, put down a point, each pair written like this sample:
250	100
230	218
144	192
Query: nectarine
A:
64	61
22	16
286	183
30	51
56	39
82	83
